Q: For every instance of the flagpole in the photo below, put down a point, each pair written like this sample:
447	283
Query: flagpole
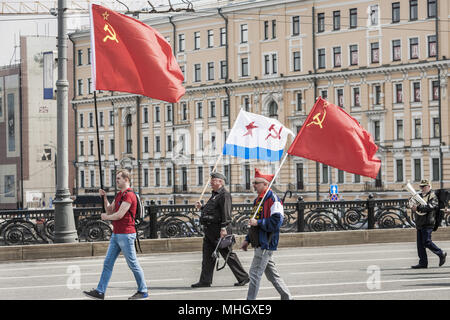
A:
209	179
270	184
98	148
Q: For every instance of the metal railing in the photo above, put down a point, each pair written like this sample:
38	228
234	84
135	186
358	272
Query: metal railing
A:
171	221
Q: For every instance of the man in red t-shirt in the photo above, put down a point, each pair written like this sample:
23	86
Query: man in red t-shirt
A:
122	213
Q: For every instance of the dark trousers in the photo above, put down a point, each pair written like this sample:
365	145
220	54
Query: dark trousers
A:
209	263
424	241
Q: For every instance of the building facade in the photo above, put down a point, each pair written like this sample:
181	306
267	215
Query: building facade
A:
28	127
385	62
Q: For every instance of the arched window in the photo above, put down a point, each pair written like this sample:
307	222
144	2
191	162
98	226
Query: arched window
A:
128	133
273	109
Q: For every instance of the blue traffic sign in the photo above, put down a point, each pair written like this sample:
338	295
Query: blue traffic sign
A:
334	189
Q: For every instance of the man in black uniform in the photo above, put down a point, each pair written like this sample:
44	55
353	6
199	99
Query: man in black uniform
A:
425	221
216	219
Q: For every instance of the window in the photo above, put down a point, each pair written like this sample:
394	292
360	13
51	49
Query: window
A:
376	131
324	173
395	12
399	129
247	104
340	97
247	176
81	120
210	39
356	100
80	57
340	176
81	148
157	144
324	94
432	46
436	171
321	58
396	50
336	20
169	143
145	177
184	109
353	18
417	170
354	55
337	56
436	126
244	67
196	40
183	71
266	30
157	114
273	109
111	118
199	110
377	94
200	176
181	43
398	93
431	6
89	86
320	22
225	108
210	70
80	87
274	29
111	146
223	69
128	138
274	63
435	85
212	109
169	113
223	36
296	60
244	33
145	116
82	179
399	170
169	176
413	10
374	15
101	119
414	48
266	64
417	129
299	173
295	25
299	100
91	120
375	52
197	73
416	91
157	177
200	141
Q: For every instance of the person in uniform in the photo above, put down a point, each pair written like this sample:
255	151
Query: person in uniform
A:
216	220
263	235
425	221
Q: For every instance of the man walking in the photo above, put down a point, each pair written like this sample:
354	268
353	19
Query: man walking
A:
425	220
263	236
216	219
122	212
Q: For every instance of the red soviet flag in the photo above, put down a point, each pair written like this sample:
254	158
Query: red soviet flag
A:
130	56
331	136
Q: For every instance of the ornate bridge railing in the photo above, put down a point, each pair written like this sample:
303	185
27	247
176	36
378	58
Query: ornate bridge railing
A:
171	221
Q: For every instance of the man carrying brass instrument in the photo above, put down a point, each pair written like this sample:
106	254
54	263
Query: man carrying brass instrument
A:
424	215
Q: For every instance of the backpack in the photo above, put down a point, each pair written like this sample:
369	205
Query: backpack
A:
442	195
139	216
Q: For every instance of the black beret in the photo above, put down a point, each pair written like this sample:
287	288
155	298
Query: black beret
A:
218	175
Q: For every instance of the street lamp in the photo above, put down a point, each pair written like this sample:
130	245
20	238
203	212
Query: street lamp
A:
65	231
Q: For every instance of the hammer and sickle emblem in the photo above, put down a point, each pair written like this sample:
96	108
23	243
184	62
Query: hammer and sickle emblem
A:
316	118
112	33
277	134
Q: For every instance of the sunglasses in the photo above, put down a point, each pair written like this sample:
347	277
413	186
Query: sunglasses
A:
256	182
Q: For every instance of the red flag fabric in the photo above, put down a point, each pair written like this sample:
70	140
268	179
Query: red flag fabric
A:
130	56
333	137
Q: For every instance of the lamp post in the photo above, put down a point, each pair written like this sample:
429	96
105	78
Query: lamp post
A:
65	231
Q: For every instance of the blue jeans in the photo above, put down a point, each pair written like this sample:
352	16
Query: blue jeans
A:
122	243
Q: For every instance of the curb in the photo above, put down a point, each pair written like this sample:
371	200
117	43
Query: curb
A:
305	239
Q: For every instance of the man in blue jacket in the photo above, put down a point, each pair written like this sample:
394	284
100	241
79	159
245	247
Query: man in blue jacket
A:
263	235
